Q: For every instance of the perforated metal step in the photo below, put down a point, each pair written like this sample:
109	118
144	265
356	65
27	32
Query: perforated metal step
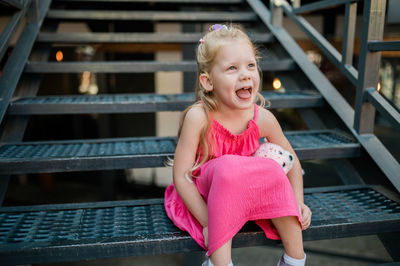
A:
139	66
127	228
79	155
141	103
207	16
117	37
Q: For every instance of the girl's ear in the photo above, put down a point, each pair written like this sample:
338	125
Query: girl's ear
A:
205	82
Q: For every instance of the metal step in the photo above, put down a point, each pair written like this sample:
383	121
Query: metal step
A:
123	153
206	16
142	103
139	67
161	1
125	37
72	232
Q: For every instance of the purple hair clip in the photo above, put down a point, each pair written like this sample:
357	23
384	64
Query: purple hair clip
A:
218	27
215	27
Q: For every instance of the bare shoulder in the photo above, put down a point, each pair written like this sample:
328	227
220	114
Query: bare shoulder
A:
194	120
189	135
195	115
265	117
267	122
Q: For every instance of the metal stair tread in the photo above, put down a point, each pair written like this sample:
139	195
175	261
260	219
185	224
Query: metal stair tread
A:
139	66
122	153
151	15
129	37
96	230
163	1
142	102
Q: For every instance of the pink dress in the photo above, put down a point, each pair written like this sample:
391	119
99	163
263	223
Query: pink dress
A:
237	188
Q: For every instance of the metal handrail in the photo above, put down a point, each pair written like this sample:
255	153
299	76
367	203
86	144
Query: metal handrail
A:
328	49
15	64
359	120
14	3
11	27
321	5
375	46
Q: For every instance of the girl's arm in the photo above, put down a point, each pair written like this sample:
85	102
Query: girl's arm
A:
270	128
185	155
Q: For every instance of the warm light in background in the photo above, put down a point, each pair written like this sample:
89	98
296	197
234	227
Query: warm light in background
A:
88	83
379	87
276	84
59	56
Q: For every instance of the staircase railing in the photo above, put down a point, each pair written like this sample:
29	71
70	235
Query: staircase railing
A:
30	12
360	119
34	11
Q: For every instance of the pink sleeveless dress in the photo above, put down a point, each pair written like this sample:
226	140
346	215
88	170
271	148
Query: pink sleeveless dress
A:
237	188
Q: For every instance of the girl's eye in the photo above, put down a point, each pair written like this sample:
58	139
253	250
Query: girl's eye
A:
251	65
231	68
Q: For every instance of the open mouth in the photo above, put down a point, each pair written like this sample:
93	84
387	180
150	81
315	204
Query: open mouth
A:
244	93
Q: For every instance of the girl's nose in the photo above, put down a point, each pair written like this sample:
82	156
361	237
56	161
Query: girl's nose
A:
245	74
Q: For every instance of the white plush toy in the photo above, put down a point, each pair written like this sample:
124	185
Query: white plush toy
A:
277	153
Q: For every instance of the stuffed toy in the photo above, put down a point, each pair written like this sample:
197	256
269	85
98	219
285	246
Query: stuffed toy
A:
277	153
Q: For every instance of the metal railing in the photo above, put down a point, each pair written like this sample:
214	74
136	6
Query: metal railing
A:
34	11
30	12
361	119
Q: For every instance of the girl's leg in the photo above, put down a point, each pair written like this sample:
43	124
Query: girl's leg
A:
291	234
222	256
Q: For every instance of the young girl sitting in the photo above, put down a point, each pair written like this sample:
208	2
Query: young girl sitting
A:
218	186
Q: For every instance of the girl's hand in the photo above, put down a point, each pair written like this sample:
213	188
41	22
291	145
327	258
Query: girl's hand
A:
305	214
205	234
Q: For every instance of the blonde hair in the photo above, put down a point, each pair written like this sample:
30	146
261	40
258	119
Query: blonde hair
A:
206	52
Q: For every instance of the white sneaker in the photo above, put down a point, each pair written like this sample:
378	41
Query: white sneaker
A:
207	262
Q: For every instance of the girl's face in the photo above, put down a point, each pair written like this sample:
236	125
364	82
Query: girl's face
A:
234	78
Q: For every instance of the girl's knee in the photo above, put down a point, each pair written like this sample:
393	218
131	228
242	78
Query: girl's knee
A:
226	169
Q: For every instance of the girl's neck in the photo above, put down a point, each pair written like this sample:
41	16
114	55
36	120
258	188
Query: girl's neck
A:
235	121
233	114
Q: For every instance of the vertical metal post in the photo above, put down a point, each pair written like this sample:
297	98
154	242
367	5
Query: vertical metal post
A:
34	12
369	62
296	3
349	33
276	13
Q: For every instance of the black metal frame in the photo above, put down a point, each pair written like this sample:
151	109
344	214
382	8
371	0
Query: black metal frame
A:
15	64
359	120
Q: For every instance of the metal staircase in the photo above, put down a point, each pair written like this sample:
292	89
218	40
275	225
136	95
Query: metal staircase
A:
69	232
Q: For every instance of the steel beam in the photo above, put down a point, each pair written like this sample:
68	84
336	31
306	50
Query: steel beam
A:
369	64
376	46
139	67
319	5
334	56
85	15
384	107
349	34
15	64
116	37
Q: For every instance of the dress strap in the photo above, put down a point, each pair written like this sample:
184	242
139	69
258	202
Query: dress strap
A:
255	112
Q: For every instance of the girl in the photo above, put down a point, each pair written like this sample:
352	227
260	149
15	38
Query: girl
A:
218	186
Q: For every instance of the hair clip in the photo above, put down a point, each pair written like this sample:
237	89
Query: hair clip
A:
218	27
201	40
